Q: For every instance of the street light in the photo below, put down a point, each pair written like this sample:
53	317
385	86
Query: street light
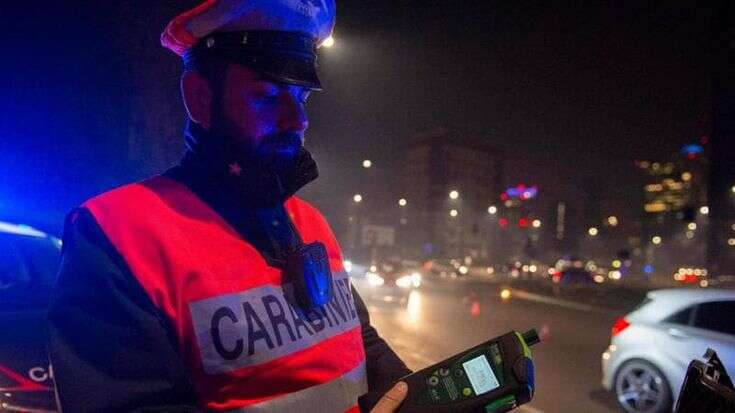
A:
367	163
592	231
328	42
357	198
492	210
402	202
453	194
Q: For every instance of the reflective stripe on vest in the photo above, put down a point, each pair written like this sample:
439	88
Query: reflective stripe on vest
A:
247	345
313	400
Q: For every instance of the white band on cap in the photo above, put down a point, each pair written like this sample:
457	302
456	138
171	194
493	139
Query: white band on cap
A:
310	16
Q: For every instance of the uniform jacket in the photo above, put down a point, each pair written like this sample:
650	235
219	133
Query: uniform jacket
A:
116	345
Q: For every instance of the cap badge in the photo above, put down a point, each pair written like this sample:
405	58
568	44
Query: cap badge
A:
235	169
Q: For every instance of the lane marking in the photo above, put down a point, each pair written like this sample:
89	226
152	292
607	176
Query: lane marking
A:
525	295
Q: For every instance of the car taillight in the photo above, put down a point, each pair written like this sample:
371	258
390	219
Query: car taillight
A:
619	325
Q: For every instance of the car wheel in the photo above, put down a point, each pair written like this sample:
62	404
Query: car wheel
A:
641	388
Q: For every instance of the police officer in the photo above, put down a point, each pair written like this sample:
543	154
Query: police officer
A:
212	286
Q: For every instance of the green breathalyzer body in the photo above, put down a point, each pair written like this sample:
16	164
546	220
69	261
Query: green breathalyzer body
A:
493	377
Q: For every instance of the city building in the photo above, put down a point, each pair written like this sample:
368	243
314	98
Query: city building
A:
451	185
674	215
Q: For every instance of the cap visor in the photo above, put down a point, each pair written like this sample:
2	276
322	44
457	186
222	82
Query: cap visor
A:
287	69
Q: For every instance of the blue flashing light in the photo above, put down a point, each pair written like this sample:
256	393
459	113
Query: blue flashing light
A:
692	149
522	192
648	269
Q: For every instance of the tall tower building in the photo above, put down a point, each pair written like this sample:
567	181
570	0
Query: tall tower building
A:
449	181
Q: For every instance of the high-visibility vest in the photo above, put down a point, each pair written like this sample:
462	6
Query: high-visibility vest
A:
247	345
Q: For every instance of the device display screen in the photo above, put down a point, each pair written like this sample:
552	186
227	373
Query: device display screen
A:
481	375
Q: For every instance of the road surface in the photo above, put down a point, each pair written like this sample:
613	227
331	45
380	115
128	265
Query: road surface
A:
444	318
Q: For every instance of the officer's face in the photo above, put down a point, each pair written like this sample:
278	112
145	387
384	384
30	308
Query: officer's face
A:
263	117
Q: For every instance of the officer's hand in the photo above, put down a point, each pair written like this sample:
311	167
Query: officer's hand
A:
390	401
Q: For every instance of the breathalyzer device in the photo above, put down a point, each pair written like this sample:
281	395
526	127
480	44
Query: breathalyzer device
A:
493	377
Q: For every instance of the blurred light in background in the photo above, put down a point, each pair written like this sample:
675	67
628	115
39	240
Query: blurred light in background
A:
413	309
375	279
367	163
416	279
505	294
328	42
357	198
492	210
592	231
656	240
704	210
402	202
453	194
453	213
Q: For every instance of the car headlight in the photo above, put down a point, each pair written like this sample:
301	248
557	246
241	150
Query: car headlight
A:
416	279
405	282
374	279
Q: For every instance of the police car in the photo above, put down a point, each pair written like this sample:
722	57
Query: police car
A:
28	264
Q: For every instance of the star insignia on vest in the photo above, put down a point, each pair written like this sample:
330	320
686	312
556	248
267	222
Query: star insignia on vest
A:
235	169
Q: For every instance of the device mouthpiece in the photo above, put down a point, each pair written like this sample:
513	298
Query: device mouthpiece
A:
531	337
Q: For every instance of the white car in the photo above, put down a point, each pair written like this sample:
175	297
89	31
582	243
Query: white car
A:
652	346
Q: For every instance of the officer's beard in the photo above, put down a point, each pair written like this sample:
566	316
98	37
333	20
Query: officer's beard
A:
268	172
275	152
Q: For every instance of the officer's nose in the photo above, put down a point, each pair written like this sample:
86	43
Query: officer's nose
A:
293	116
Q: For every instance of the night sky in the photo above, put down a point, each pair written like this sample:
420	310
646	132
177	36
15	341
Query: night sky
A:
572	91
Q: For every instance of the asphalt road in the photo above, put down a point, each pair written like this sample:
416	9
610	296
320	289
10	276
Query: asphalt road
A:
442	319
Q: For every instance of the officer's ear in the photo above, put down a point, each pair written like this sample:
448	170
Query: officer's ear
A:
197	95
